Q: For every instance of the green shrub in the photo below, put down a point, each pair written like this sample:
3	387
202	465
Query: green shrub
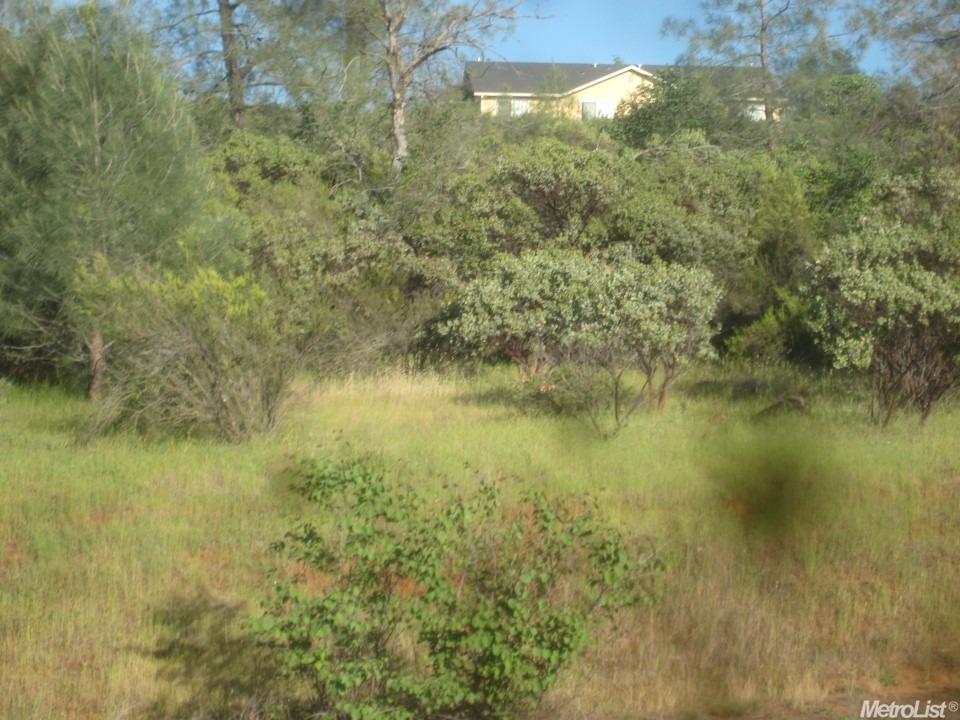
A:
203	354
887	300
523	308
469	609
781	333
547	307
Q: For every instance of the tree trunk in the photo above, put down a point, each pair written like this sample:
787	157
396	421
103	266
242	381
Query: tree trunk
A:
398	117
231	63
98	365
769	106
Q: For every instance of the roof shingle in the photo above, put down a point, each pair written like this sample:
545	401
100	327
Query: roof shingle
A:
533	78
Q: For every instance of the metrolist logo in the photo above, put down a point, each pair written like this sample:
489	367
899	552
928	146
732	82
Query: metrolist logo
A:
908	711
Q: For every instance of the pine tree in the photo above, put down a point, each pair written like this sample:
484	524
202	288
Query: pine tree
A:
97	158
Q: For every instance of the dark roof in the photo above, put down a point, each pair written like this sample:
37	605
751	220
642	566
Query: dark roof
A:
529	77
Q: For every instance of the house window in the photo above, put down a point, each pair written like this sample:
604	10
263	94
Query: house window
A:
590	109
507	107
756	111
519	107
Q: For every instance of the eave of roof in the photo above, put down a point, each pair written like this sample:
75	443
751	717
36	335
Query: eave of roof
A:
583	86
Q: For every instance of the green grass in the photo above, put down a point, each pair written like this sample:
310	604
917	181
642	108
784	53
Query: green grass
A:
805	555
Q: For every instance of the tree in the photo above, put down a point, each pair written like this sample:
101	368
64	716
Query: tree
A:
656	318
244	51
926	36
406	36
753	33
680	100
887	300
99	159
523	307
215	41
540	193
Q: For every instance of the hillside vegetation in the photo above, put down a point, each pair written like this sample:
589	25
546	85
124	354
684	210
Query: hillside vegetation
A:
803	556
325	395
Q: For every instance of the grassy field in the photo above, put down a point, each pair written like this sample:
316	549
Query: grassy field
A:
806	556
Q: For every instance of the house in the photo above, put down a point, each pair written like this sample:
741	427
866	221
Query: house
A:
578	90
585	90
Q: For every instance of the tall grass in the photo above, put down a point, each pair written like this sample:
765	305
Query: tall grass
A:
805	555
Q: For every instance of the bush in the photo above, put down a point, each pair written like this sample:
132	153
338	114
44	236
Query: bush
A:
887	300
682	100
524	308
205	354
547	309
781	333
656	318
466	610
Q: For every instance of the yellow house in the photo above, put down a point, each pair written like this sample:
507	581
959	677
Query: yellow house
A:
577	90
585	91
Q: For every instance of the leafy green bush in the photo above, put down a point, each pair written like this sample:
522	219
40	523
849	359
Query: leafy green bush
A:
546	308
544	194
523	307
206	353
887	300
470	609
656	318
781	333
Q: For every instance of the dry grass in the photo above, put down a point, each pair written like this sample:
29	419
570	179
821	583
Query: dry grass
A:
805	557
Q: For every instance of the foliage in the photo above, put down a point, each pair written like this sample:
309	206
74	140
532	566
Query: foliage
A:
253	162
547	307
204	354
462	609
683	201
929	200
742	35
320	254
540	194
98	157
680	100
656	318
782	226
887	299
566	187
923	34
712	200
781	334
475	220
524	307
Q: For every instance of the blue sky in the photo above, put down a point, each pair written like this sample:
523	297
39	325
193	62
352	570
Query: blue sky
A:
598	30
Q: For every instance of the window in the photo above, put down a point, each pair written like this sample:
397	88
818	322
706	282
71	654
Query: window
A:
756	111
606	108
519	107
590	109
503	107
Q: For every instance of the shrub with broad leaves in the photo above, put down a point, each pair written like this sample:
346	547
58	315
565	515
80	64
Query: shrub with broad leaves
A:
550	308
887	300
396	607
